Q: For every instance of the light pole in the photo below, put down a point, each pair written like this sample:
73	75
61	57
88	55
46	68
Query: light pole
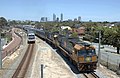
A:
99	53
41	70
0	52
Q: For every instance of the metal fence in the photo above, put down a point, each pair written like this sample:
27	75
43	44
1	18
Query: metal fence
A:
110	61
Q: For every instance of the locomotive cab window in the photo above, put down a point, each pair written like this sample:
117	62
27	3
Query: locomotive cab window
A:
31	36
86	52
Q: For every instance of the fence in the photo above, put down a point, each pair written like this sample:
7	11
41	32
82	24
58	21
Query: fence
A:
111	61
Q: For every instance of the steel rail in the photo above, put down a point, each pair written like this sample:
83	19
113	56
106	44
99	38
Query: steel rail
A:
93	74
24	64
90	75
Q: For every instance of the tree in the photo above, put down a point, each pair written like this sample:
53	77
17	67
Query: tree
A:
112	37
74	35
3	22
12	23
116	38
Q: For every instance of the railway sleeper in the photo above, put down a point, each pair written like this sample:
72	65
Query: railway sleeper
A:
86	67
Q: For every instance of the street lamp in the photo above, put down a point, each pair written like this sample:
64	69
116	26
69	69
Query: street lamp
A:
99	53
0	52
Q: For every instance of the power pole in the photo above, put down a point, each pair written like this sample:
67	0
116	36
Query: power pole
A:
41	70
99	53
0	52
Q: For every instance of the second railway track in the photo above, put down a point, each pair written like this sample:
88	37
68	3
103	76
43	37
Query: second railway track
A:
91	75
24	64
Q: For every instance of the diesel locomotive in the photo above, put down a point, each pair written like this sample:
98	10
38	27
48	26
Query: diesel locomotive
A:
80	53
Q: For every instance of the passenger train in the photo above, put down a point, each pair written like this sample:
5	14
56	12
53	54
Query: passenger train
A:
31	38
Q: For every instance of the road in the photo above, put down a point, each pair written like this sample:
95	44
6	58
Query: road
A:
106	54
12	46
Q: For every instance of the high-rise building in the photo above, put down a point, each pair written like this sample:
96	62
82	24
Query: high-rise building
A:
54	17
79	18
46	19
61	17
69	20
75	19
57	19
90	20
43	19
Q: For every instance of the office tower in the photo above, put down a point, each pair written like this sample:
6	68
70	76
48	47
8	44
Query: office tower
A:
61	17
54	17
79	18
90	20
43	19
75	19
57	19
46	19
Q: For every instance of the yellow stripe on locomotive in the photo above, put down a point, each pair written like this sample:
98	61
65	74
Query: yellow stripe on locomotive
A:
83	59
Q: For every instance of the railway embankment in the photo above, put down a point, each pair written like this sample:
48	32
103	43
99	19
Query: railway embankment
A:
53	65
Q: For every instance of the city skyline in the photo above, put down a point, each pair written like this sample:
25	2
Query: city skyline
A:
58	18
94	10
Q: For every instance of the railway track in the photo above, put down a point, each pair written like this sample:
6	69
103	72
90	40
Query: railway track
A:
24	64
90	75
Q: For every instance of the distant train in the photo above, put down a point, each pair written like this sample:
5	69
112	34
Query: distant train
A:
31	38
80	53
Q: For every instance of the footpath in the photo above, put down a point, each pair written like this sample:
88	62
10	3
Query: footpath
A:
13	45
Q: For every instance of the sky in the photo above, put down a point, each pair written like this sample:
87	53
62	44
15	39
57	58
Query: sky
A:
95	10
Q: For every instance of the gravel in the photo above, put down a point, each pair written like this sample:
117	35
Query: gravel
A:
54	66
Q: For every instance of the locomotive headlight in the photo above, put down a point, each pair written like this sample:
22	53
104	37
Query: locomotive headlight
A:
55	36
73	51
88	59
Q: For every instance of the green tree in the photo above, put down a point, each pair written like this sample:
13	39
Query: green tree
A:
12	23
112	37
74	34
3	22
116	39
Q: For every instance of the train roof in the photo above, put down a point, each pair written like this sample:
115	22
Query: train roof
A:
76	40
83	44
79	42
